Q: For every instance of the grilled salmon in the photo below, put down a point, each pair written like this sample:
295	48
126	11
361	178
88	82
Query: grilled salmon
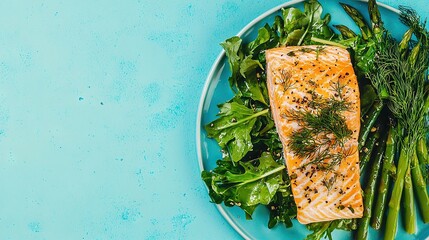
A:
315	103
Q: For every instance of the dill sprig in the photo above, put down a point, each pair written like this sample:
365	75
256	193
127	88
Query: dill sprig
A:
285	80
320	159
329	183
404	82
322	127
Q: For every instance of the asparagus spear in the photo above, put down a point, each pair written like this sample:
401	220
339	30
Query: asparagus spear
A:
366	150
369	120
345	31
362	232
377	23
420	188
422	151
358	19
395	199
403	45
379	208
408	204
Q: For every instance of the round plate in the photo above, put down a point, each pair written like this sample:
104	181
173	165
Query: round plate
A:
217	90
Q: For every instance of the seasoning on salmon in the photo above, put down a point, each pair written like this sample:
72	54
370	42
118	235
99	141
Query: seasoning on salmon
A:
315	104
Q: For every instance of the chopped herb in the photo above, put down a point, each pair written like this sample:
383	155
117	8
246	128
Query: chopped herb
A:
291	54
319	49
329	183
285	80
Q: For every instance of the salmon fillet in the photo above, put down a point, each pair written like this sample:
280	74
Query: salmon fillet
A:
323	188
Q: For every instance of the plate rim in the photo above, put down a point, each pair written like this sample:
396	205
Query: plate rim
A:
206	86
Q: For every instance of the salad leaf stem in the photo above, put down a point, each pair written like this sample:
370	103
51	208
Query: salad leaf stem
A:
327	42
275	170
263	112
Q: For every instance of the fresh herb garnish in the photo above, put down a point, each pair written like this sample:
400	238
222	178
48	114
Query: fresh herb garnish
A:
322	128
285	80
329	183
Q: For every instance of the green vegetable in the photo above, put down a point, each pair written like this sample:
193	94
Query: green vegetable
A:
346	32
364	47
358	19
369	96
324	229
369	120
423	158
420	188
232	47
398	73
377	23
366	151
245	66
388	164
403	79
408	204
233	127
246	186
395	199
301	26
363	223
282	207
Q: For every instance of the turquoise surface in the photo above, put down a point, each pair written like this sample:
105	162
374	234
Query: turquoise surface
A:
98	103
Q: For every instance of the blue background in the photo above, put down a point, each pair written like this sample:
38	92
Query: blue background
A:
98	103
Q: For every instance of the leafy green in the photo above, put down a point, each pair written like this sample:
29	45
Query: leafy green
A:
232	129
282	207
369	96
301	26
325	229
244	68
246	186
294	19
294	37
232	47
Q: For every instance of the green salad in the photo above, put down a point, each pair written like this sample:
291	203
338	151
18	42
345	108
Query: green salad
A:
394	90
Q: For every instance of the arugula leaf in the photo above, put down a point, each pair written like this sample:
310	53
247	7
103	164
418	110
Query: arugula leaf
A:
294	37
294	19
278	27
325	229
301	26
364	56
256	183
251	86
282	207
248	66
232	129
243	68
263	37
232	47
318	24
367	101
